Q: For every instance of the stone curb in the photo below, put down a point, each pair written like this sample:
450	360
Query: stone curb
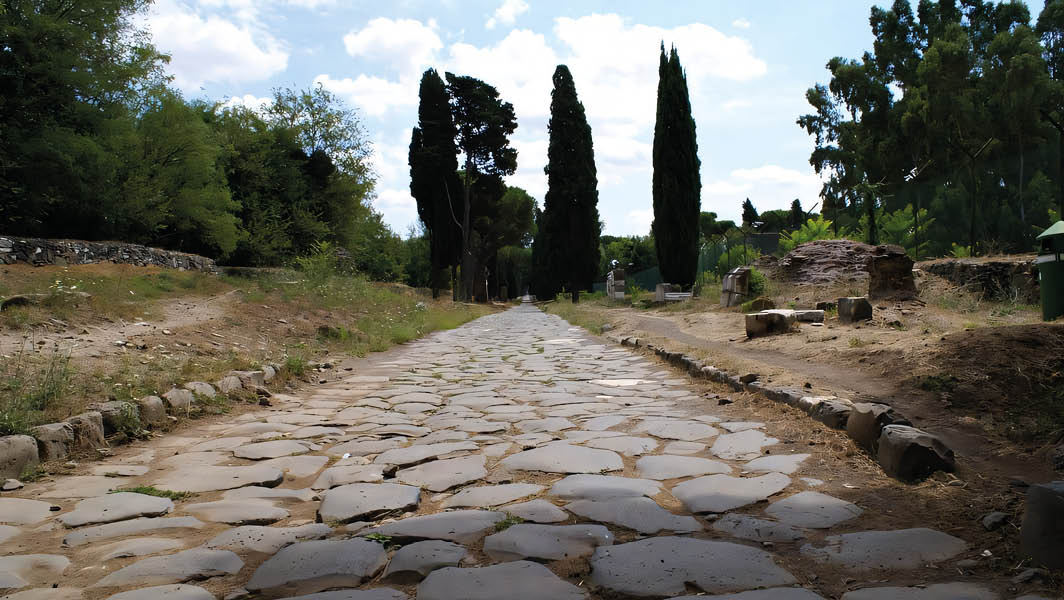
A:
36	251
927	453
86	431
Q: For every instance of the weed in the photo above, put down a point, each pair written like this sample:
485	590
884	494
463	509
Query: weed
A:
859	343
380	538
32	473
154	491
30	387
295	365
508	522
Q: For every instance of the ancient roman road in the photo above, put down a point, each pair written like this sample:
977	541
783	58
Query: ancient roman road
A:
512	458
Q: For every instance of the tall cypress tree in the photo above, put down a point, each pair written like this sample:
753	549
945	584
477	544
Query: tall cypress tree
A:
434	180
677	183
568	246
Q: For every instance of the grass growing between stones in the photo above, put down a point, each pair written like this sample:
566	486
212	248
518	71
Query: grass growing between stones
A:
508	522
154	491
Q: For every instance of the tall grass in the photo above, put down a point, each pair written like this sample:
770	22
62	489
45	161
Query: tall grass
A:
31	387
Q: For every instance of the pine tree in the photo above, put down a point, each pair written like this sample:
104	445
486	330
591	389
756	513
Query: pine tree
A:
677	183
569	244
433	175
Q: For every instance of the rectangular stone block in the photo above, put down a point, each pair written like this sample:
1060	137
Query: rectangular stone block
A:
1042	532
911	454
809	316
854	309
769	322
17	453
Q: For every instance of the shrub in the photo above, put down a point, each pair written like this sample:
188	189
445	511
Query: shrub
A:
758	283
811	231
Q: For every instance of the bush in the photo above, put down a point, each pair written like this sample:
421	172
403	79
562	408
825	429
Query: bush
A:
811	231
758	283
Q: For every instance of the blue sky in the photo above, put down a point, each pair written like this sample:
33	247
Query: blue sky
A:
748	66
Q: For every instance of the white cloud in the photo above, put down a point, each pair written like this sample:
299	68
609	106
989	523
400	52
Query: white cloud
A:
769	187
507	13
639	221
403	45
213	49
741	23
520	67
376	96
398	207
251	101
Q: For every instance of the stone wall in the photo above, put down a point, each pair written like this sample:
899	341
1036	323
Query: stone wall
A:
1006	277
75	252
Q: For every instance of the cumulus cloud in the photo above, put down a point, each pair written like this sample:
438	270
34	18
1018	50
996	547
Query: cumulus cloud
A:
520	67
639	221
403	46
251	101
507	13
375	95
769	187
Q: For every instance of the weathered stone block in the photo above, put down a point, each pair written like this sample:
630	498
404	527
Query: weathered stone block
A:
890	273
53	440
268	373
854	309
762	304
117	415
200	388
152	410
809	316
834	412
911	454
808	404
1042	533
228	384
251	379
735	286
769	322
179	399
867	421
88	430
17	453
824	305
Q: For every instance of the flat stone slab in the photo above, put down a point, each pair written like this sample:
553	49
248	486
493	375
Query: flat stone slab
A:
238	512
206	478
602	423
549	425
812	510
178	591
564	458
721	493
546	542
22	570
374	594
737	426
267	540
47	593
460	526
492	495
336	476
625	444
81	486
776	463
7	532
602	487
937	591
119	470
639	513
898	549
687	431
365	447
357	501
745	445
760	530
18	511
308	567
271	449
272	494
115	507
665	466
537	511
297	466
412	455
414	562
130	527
519	580
137	547
679	447
780	593
187	565
664	566
440	475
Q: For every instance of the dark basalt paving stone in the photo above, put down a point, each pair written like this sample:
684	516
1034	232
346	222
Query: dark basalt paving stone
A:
546	542
415	561
237	512
898	549
745	445
626	445
782	593
938	591
188	565
759	530
492	495
664	566
687	431
460	526
440	475
537	511
374	594
21	570
667	466
267	540
357	501
19	511
336	476
271	449
776	463
519	580
812	510
130	527
137	547
602	487
308	567
638	513
412	455
207	478
179	591
721	493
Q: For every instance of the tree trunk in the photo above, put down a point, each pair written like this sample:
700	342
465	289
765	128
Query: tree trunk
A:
454	283
467	252
916	225
1023	215
576	296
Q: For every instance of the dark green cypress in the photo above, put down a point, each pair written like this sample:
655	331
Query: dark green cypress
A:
568	248
677	183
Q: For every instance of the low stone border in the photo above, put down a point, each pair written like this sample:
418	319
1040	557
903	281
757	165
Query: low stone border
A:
903	451
37	251
88	430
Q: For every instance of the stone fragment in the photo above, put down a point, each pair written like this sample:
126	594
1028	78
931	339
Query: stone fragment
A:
518	580
721	493
187	565
117	415
780	593
664	566
603	487
130	527
737	426
537	511
492	495
1042	532
53	440
208	478
666	466
809	316
460	526
564	458
546	542
769	322
19	511
776	463
890	273
179	399
866	423
201	388
267	540
335	476
745	445
897	549
21	570
758	530
10	485
152	410
238	512
683	448
228	384
88	430
178	591
414	562
626	445
137	547
854	309
638	513
250	379
356	501
937	591
17	453
812	510
440	475
308	567
911	454
833	412
271	449
115	507
412	455
687	431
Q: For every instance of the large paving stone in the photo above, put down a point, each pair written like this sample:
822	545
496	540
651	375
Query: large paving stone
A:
602	423
1042	532
601	487
17	453
179	591
411	455
666	466
297	466
137	547
308	567
8	532
47	593
115	507
80	486
639	513
564	458
760	530
23	570
343	475
19	511
745	445
721	493
208	478
492	495
625	444
812	510
440	475
357	501
238	512
546	542
550	425
780	593
537	511
53	440
519	580
898	549
776	463
460	526
679	447
253	492
687	431
266	540
374	594
188	565
271	449
130	527
664	566
414	562
937	591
